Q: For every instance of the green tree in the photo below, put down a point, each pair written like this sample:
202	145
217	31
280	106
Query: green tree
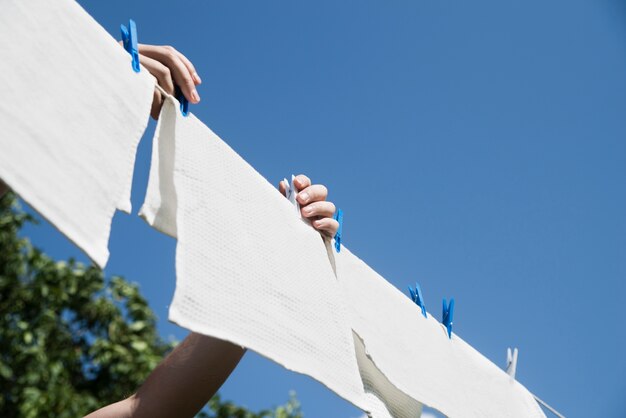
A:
72	340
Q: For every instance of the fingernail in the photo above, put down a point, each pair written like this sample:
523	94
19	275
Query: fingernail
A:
319	223
197	78
195	96
304	197
308	210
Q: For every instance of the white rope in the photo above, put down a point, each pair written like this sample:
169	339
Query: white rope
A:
548	407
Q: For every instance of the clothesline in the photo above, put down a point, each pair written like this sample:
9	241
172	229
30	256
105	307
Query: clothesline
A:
548	407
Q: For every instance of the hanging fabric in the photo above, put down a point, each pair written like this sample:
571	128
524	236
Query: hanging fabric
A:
416	355
248	270
72	113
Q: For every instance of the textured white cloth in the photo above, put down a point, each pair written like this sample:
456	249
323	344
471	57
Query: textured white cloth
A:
72	113
251	272
385	399
248	269
416	356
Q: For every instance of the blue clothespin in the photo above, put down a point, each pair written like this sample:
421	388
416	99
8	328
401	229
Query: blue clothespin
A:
129	39
339	218
184	103
416	296
448	315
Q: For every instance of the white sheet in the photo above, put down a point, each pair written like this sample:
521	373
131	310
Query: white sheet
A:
386	399
416	356
248	270
72	113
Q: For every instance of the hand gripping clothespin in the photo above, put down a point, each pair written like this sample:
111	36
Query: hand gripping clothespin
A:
416	296
129	39
511	362
291	193
448	316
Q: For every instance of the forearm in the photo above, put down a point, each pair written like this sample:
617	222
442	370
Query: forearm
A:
187	378
121	409
181	385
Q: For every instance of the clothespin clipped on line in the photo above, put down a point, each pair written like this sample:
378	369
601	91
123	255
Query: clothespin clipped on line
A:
129	39
511	368
184	103
511	362
416	296
339	218
448	316
291	193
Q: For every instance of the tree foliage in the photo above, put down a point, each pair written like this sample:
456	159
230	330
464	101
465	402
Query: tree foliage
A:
216	408
72	340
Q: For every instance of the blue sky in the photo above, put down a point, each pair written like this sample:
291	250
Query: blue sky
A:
476	147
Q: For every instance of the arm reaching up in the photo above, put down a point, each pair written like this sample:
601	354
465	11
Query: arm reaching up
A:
191	374
183	383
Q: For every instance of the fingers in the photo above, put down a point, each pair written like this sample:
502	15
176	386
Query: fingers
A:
301	181
170	68
181	70
160	71
314	193
282	186
163	76
320	213
318	209
192	70
328	226
313	204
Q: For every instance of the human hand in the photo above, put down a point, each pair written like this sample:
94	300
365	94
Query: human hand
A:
313	204
170	68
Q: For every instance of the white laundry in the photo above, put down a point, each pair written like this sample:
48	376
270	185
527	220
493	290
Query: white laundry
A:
72	113
251	272
248	269
416	355
386	399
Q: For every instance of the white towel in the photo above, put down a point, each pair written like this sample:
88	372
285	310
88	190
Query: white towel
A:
416	355
248	269
386	399
72	113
